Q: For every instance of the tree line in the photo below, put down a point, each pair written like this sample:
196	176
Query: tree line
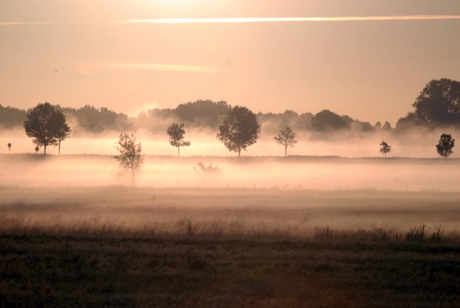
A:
239	130
199	114
438	105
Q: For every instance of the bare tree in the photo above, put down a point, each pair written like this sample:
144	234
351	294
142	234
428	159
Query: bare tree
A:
210	169
385	148
286	138
176	134
130	153
445	145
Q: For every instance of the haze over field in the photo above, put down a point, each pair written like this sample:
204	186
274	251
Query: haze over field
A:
206	144
231	153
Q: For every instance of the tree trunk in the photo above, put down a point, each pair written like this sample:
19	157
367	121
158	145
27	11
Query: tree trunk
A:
239	152
44	150
59	147
285	151
178	151
132	180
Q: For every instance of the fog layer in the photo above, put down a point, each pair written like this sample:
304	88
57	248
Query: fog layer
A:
330	173
416	144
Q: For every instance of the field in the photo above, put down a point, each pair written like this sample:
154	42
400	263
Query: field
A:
265	232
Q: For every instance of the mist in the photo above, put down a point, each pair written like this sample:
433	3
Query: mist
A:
416	143
296	172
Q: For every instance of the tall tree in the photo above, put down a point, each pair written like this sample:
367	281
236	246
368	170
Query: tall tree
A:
439	102
239	130
385	148
286	138
176	134
445	145
130	156
46	126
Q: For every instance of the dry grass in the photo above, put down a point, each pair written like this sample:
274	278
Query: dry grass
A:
199	267
131	247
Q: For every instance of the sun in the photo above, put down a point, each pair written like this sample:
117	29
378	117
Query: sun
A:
171	3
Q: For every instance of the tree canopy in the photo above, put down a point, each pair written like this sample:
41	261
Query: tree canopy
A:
62	130
239	130
11	117
445	145
176	134
439	102
46	126
326	121
205	112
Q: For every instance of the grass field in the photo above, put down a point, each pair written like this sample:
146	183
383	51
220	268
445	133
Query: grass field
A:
117	245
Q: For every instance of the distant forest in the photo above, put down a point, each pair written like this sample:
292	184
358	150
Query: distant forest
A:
437	105
201	114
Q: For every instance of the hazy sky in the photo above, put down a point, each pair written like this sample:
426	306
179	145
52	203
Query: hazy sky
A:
367	59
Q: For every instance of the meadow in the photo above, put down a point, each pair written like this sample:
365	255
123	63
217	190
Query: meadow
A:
265	232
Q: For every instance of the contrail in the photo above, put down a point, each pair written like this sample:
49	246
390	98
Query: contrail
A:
286	19
246	20
23	23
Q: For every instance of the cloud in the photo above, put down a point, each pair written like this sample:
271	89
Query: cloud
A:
94	69
287	19
22	23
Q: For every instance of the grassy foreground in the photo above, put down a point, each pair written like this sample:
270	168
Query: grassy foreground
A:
104	267
200	247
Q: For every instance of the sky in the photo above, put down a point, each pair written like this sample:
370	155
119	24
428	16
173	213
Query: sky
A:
366	59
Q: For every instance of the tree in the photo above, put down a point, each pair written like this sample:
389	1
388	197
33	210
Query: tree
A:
176	134
11	117
62	130
130	153
239	130
385	148
286	138
439	102
204	112
36	150
386	126
445	145
202	169
9	147
326	121
46	126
